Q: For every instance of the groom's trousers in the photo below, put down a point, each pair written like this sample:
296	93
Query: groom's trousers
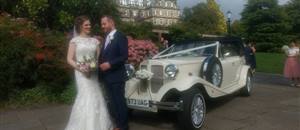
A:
117	104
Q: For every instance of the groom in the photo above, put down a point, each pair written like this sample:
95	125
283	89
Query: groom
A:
113	56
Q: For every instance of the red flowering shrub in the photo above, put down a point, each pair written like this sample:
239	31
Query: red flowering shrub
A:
139	50
30	57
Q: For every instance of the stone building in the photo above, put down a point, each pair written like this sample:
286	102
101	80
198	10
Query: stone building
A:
158	12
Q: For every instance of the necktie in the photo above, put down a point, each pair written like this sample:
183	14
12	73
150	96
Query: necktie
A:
107	41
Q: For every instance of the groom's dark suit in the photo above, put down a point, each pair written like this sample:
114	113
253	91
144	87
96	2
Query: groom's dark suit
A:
116	54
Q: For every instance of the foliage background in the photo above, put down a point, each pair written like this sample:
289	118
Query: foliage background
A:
59	14
31	60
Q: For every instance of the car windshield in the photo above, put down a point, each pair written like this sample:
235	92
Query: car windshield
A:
190	49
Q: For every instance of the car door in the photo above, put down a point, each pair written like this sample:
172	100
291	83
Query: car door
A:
231	62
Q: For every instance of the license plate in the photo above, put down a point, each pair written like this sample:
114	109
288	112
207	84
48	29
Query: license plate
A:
138	102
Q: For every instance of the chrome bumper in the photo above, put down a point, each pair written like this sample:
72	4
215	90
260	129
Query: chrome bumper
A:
155	106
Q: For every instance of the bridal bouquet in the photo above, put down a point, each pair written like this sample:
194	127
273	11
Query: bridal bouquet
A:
143	74
87	63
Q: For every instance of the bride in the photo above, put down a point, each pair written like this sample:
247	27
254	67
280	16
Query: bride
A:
89	111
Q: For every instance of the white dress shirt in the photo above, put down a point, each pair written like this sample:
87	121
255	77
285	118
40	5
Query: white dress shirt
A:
109	37
293	51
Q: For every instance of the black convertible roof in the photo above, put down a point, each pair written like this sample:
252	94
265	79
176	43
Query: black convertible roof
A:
222	40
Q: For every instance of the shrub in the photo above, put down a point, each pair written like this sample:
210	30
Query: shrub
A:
33	96
69	94
140	50
30	57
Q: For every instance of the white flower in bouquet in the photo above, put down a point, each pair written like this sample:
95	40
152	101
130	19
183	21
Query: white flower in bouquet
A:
93	65
144	74
87	63
88	58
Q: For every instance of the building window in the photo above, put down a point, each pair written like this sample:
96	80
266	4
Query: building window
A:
134	13
160	13
127	12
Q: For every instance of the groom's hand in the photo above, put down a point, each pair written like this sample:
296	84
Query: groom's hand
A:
105	66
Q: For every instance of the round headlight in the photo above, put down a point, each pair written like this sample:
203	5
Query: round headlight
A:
130	70
171	70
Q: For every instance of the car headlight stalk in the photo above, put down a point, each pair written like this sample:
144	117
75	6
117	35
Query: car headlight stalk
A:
171	71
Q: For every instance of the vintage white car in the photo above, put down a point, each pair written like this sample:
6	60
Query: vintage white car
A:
182	78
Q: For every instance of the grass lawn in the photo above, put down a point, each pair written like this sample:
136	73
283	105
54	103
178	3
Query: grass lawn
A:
270	62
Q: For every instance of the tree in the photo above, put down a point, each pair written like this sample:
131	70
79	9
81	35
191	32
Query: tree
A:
293	11
237	28
221	23
203	18
33	9
60	14
180	32
93	8
265	23
8	5
142	30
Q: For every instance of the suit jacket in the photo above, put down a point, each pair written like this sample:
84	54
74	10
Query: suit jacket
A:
116	53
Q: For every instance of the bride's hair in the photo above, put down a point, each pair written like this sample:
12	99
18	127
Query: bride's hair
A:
79	21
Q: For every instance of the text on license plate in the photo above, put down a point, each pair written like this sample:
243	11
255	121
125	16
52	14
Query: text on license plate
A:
138	102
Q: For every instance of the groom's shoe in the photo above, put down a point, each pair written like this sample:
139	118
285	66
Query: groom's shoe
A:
117	129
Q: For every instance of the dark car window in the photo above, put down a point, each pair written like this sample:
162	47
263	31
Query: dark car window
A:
231	48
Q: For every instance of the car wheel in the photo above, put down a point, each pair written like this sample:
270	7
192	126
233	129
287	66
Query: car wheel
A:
246	90
194	109
212	71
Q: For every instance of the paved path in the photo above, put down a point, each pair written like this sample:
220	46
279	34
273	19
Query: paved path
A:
273	106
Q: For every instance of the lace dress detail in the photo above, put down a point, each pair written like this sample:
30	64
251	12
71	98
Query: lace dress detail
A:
89	111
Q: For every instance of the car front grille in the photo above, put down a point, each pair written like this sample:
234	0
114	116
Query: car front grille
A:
157	79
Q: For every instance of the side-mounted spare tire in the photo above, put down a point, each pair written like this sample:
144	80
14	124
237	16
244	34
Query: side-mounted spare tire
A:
212	71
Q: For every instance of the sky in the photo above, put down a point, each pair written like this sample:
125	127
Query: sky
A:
235	6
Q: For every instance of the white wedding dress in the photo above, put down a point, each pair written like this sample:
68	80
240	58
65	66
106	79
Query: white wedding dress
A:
89	111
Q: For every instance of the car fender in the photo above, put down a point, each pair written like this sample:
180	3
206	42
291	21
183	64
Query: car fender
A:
243	75
182	85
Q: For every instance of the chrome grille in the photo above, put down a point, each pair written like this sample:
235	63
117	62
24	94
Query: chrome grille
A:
157	79
143	86
144	67
144	83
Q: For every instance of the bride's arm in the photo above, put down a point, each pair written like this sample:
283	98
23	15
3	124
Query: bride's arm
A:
71	56
98	50
98	42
